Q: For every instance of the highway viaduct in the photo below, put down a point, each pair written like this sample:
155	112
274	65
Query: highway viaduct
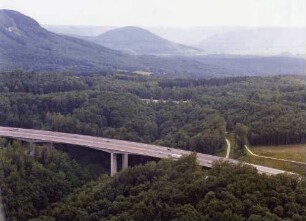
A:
116	147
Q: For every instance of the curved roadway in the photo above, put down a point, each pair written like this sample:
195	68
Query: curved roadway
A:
228	149
116	146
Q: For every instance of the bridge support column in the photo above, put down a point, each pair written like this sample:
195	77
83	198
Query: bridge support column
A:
125	161
113	160
32	148
50	146
113	164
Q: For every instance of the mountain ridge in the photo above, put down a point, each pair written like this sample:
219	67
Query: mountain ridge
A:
25	45
257	41
23	41
136	40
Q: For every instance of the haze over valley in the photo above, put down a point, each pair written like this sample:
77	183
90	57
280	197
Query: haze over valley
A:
265	41
26	45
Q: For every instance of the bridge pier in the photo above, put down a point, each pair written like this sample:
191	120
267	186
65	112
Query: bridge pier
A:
113	164
32	146
125	161
113	161
50	146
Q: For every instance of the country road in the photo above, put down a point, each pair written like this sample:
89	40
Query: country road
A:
272	158
228	149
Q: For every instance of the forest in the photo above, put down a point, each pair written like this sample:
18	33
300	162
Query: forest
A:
193	114
50	186
182	113
31	183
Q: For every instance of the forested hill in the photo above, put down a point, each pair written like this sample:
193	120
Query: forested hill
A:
31	183
50	187
25	45
183	113
190	114
180	190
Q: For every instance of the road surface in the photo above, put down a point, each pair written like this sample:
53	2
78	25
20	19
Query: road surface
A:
228	149
272	158
116	146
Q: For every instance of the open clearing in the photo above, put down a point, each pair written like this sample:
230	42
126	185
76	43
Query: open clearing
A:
287	166
296	152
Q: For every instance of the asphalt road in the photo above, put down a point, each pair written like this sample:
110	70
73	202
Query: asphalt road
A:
116	146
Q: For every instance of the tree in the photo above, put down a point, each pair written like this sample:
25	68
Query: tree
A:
241	135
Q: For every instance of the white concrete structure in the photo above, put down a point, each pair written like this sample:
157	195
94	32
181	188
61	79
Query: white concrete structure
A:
116	147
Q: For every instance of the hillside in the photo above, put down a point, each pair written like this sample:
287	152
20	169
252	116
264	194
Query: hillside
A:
35	181
78	30
181	190
257	41
193	115
272	108
24	44
53	187
141	41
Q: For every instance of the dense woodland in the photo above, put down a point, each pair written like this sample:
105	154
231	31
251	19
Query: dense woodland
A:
54	185
190	114
50	186
31	182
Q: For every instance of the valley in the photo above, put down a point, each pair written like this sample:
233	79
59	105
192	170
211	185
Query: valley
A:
152	110
200	113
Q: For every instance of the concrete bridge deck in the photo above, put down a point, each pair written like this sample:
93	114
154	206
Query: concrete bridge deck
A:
115	147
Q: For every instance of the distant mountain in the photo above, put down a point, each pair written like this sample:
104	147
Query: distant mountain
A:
185	36
216	39
78	30
136	40
190	36
257	41
26	45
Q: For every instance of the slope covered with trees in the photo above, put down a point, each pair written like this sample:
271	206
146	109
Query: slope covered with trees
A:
31	182
50	186
181	190
190	114
183	113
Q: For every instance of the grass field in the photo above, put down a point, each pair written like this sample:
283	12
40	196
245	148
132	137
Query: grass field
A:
287	166
296	152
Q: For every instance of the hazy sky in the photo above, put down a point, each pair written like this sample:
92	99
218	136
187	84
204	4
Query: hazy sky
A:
177	13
